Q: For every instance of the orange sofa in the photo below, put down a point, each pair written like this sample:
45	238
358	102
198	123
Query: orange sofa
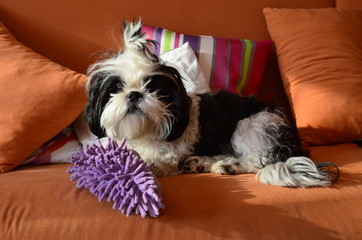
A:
40	202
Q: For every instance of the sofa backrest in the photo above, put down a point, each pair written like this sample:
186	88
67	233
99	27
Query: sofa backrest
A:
69	31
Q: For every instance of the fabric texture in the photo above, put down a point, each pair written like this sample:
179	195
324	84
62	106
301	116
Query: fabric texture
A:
320	57
236	65
38	99
59	149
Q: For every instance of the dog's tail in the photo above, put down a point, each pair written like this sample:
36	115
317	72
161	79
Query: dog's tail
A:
270	147
298	172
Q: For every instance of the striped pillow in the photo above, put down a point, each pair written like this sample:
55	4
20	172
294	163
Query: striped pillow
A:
236	65
56	150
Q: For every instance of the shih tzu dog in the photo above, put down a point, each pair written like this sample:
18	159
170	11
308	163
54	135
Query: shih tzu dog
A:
134	95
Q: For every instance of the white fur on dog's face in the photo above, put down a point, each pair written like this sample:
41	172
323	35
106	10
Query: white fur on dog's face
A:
151	117
134	95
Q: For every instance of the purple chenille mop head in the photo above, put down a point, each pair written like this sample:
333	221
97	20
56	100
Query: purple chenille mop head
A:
118	174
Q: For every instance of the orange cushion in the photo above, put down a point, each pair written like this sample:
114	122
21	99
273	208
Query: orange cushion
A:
38	99
320	57
42	203
349	4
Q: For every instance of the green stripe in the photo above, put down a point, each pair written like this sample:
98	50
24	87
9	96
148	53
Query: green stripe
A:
167	41
248	60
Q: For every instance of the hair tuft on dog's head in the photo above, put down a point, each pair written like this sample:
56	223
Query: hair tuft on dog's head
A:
134	38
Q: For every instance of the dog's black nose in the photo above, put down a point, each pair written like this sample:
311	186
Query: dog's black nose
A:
134	95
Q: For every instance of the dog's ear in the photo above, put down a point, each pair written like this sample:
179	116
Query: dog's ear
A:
134	38
181	113
180	107
100	87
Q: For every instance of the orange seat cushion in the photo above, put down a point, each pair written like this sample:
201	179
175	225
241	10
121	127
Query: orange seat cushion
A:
320	57
38	99
42	203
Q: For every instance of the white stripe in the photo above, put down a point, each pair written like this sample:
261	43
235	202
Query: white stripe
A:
181	40
162	43
172	44
63	154
206	55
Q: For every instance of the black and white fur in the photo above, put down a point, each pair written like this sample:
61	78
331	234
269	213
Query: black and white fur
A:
134	95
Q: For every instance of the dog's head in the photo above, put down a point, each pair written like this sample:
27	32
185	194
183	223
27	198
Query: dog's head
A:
134	95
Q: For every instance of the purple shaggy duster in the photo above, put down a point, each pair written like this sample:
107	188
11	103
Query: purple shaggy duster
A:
119	175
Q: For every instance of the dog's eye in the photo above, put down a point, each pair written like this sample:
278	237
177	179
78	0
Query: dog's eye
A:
113	84
120	86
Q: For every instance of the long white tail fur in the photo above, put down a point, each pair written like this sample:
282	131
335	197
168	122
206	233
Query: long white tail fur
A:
295	172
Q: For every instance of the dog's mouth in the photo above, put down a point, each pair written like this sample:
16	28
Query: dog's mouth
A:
134	108
133	103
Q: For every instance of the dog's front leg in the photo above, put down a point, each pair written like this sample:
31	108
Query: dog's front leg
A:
221	164
196	164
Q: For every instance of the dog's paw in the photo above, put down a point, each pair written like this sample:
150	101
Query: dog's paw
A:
230	167
195	164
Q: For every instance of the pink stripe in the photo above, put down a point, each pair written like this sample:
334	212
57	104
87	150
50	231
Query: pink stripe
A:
235	64
177	40
150	34
149	31
220	63
256	75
